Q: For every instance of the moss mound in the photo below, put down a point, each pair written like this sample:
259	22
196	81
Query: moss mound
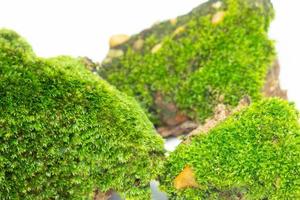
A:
254	154
64	132
218	53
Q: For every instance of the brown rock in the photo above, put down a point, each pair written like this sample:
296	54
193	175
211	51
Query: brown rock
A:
272	85
183	128
102	195
88	63
271	89
117	40
220	114
178	124
138	45
115	53
169	112
180	118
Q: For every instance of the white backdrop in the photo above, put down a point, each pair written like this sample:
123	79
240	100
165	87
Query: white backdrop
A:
83	27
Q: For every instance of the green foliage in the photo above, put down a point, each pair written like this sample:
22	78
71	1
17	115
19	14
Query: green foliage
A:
254	154
65	132
202	65
16	50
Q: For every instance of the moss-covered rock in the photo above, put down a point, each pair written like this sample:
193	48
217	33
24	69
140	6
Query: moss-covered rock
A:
217	53
65	133
254	154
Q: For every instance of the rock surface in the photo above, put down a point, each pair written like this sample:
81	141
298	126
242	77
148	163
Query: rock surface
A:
272	84
181	69
117	40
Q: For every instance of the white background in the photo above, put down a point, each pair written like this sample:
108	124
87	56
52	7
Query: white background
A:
83	27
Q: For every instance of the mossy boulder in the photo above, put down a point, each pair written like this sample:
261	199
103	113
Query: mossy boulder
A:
253	154
183	68
65	133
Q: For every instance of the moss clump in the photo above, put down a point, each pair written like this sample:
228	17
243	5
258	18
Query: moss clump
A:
254	154
64	132
218	53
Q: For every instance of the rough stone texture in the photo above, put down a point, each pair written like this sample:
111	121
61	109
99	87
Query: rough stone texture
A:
272	85
102	196
221	113
172	119
117	40
271	89
181	69
183	128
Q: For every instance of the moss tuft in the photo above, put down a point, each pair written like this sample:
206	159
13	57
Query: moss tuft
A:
65	132
212	55
254	154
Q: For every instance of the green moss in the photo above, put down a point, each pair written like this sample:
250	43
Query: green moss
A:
13	47
254	154
65	132
202	65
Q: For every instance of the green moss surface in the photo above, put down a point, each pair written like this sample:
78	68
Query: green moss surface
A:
254	154
199	64
65	132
